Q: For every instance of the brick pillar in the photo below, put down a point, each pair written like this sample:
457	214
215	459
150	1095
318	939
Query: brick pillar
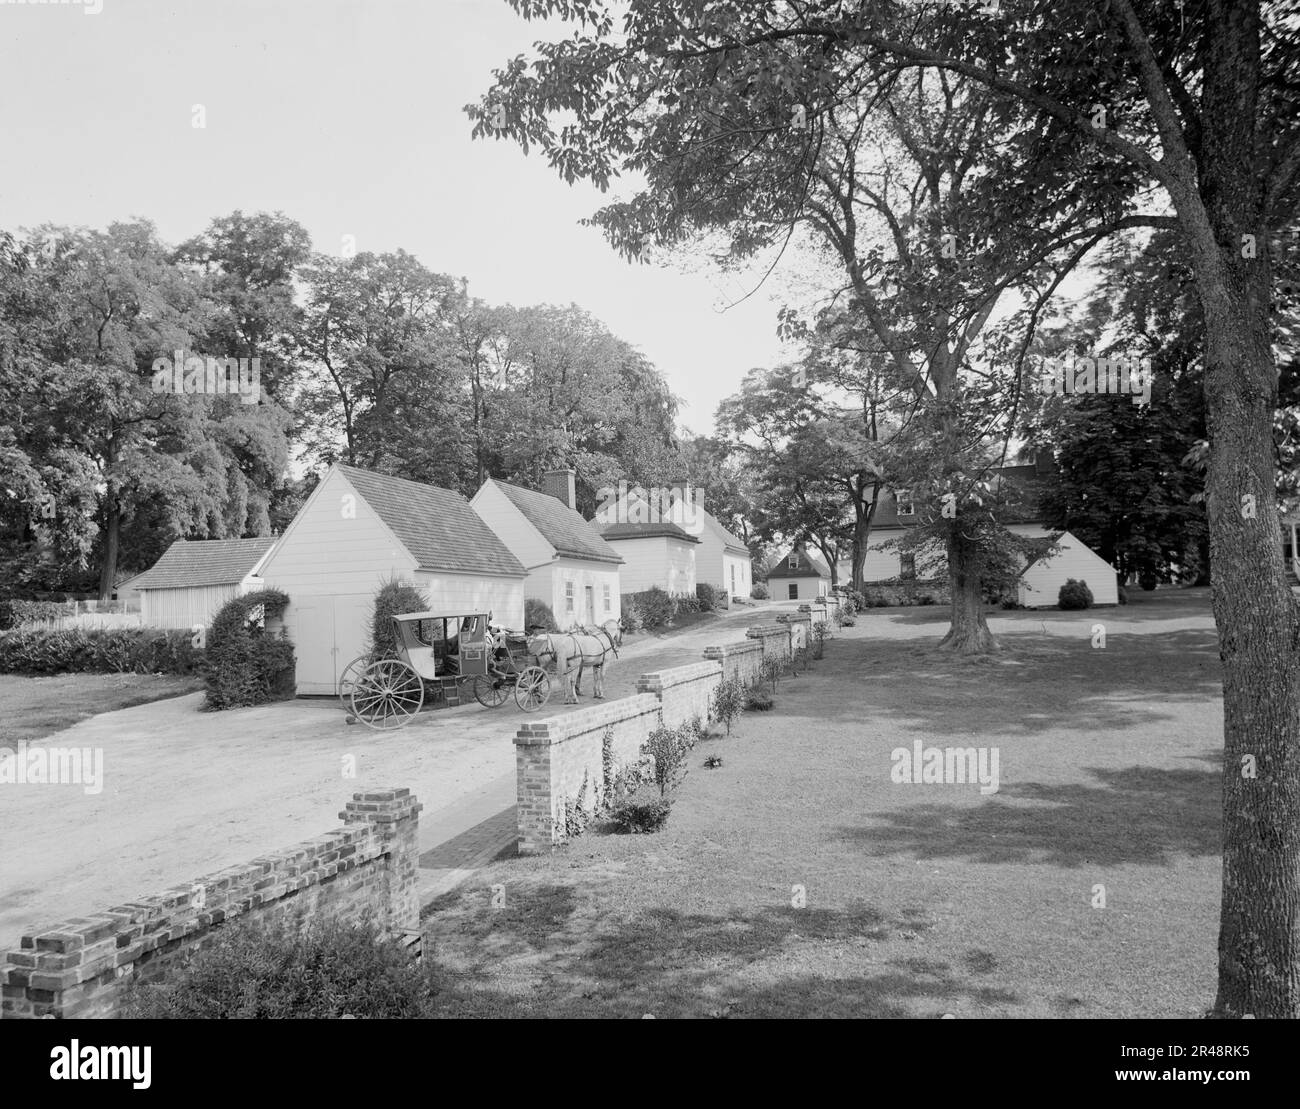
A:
535	795
394	817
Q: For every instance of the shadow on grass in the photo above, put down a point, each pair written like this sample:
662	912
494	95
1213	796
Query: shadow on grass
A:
542	957
1034	685
1137	815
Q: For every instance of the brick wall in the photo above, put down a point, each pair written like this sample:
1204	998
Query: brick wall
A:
82	967
742	659
818	610
774	638
552	756
684	691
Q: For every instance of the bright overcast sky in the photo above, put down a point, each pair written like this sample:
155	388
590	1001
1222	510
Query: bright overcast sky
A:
346	115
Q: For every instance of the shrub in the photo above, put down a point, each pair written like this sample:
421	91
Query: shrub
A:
630	619
15	613
1148	581
329	969
1122	594
538	614
770	669
850	622
713	762
758	699
640	817
244	664
859	601
686	602
99	651
393	597
1010	603
1074	594
710	597
819	638
728	701
758	591
655	607
692	731
668	749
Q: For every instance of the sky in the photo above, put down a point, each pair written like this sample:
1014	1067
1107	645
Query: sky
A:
347	116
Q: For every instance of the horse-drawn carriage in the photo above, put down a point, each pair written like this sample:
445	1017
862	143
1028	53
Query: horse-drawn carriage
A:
440	656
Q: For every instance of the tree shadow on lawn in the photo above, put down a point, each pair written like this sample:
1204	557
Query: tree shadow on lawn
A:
1036	685
545	957
1140	815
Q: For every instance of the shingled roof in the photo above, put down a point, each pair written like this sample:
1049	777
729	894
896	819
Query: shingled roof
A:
438	527
810	566
561	526
194	563
647	531
729	542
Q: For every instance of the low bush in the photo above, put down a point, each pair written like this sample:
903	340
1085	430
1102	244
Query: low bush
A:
538	614
758	591
713	762
15	613
327	970
819	630
392	598
655	607
710	597
758	699
728	701
1148	582
630	619
640	817
850	622
1074	595
99	651
669	749
687	602
856	597
244	663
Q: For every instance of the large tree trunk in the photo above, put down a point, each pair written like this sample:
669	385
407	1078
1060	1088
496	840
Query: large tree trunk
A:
969	633
1259	921
112	540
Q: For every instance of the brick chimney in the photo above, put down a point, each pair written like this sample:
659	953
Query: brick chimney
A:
560	485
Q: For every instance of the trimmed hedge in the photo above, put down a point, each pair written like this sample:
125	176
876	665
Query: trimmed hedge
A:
14	613
392	598
99	651
537	613
244	664
654	607
758	591
1074	595
709	596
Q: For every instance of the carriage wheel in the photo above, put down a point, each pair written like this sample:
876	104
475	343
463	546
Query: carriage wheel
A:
490	692
533	689
348	679
387	695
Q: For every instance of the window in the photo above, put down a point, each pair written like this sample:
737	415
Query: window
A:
907	567
794	591
568	596
794	562
609	604
733	579
903	499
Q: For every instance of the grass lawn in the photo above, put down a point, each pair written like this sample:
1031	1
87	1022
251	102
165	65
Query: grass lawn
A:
35	707
920	900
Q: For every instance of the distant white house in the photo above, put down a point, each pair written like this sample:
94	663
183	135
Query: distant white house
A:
1040	585
799	576
722	560
359	529
187	586
569	565
657	541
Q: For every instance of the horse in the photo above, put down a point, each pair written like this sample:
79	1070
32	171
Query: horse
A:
573	652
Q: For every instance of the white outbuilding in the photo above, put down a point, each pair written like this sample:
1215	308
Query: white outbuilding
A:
1040	585
359	529
188	585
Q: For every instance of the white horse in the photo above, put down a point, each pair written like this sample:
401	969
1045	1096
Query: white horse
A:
573	652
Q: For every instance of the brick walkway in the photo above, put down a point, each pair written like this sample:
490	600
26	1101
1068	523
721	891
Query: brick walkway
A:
465	835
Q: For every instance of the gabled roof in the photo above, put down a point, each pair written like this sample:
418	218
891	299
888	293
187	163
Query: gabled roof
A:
559	524
437	527
729	541
664	528
809	566
195	563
